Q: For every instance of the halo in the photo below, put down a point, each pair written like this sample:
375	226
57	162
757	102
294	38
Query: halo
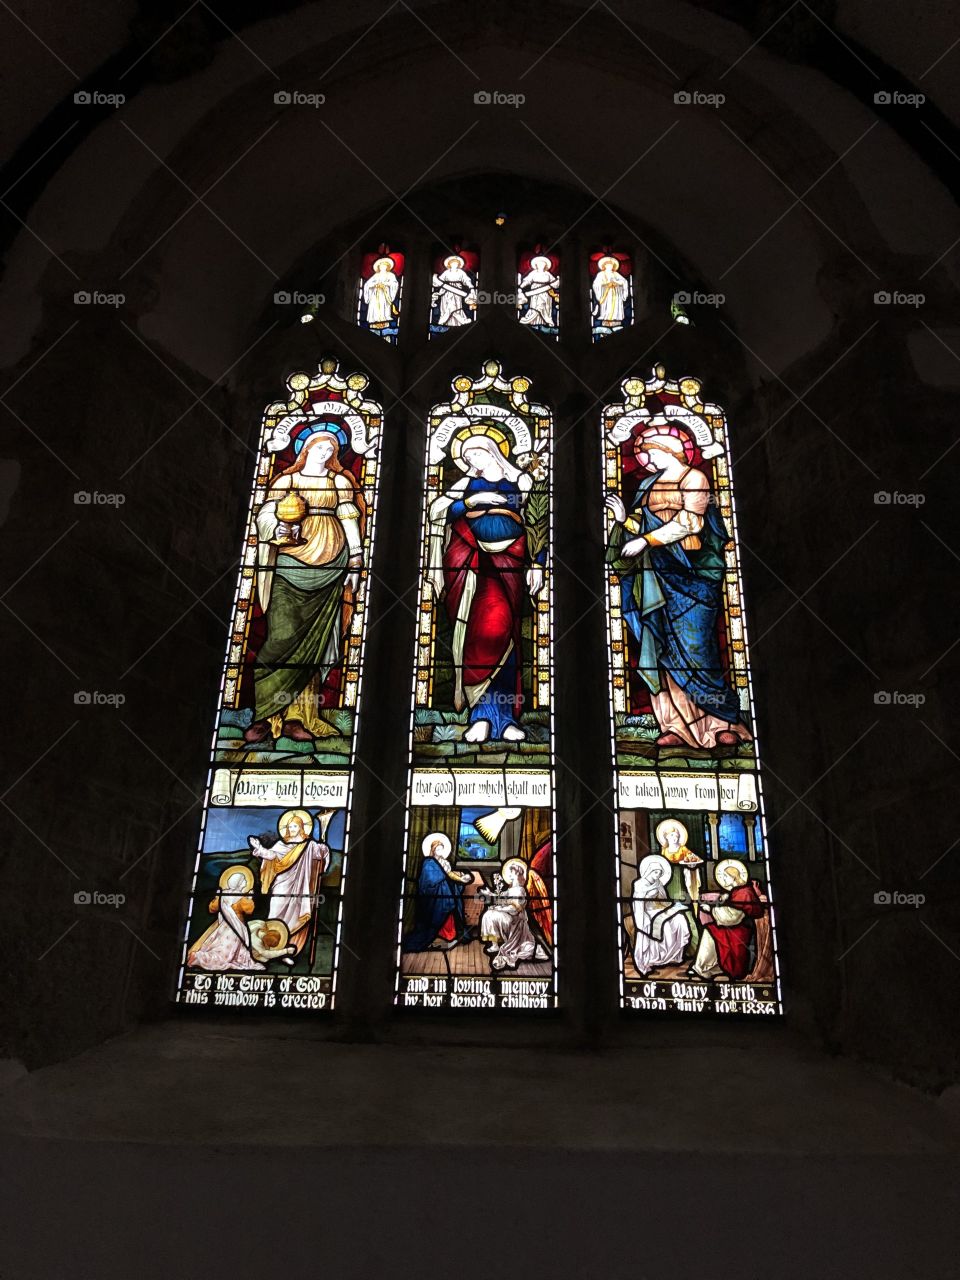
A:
304	817
470	433
256	931
672	439
614	263
728	865
454	258
230	871
432	838
515	862
326	428
656	860
389	263
665	825
546	264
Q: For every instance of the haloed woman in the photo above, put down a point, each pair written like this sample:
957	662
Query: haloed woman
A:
480	563
668	553
310	555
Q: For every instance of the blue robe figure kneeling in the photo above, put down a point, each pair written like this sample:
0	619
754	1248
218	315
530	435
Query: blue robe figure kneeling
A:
438	917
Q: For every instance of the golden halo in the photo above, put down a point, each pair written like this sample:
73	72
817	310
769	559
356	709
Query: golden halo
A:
454	258
729	865
436	837
614	263
468	433
257	928
244	871
515	862
304	817
665	825
387	262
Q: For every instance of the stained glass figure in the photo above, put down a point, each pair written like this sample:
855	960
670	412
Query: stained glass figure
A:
696	906
263	923
538	291
478	918
611	293
453	298
379	294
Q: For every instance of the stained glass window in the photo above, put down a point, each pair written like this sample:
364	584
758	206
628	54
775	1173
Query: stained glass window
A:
611	293
453	297
478	917
263	923
379	293
696	907
538	290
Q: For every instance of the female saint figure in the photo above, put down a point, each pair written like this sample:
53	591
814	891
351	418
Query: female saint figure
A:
662	930
668	553
479	563
310	554
227	944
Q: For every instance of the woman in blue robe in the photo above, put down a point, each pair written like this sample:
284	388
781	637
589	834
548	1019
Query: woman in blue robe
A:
671	584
